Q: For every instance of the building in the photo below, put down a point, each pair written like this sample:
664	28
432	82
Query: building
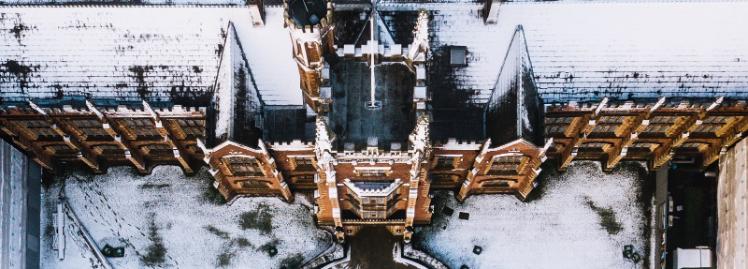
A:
20	180
370	108
731	206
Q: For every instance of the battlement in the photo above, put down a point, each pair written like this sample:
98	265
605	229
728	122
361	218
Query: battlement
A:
181	111
454	144
294	145
374	156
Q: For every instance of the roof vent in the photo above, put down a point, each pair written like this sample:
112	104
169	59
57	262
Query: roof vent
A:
458	56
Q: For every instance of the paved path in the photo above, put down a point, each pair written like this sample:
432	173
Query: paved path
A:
371	248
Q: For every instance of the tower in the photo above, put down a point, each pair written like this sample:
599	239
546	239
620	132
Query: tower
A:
309	24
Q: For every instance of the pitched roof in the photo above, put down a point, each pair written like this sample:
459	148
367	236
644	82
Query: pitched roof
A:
165	55
514	109
583	51
580	51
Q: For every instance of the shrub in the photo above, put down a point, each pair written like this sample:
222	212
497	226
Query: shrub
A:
243	242
155	254
270	248
607	217
224	259
212	195
212	229
292	262
259	219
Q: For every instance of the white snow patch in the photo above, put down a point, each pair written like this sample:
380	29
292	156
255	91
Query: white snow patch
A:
559	230
118	205
674	48
269	54
92	50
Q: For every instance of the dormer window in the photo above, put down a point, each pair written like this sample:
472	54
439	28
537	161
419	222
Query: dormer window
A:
302	162
244	166
506	164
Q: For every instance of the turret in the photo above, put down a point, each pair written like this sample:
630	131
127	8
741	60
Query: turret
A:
309	23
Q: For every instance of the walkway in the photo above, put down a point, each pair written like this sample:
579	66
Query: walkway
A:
371	248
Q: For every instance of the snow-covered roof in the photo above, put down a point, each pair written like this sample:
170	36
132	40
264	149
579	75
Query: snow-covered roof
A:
124	2
586	50
129	53
579	51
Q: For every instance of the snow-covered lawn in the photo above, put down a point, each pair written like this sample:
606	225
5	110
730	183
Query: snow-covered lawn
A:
558	230
170	208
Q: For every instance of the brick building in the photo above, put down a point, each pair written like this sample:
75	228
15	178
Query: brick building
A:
365	108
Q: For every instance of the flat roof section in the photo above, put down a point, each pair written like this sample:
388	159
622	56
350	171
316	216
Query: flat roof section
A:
353	122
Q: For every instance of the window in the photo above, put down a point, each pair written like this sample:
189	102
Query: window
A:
506	164
303	178
444	178
500	183
372	171
254	184
447	162
243	166
302	163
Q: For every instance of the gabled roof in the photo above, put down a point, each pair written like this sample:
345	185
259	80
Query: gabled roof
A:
236	100
514	109
115	55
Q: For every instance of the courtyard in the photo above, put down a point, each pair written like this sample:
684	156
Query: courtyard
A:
168	220
582	218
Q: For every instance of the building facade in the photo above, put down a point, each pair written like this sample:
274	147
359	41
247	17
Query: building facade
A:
20	190
355	112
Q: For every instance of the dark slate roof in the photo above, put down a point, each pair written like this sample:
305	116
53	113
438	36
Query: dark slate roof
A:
349	26
353	122
453	109
400	25
352	25
286	123
514	110
307	12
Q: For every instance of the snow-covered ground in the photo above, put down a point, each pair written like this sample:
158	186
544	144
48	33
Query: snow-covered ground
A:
194	232
557	230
